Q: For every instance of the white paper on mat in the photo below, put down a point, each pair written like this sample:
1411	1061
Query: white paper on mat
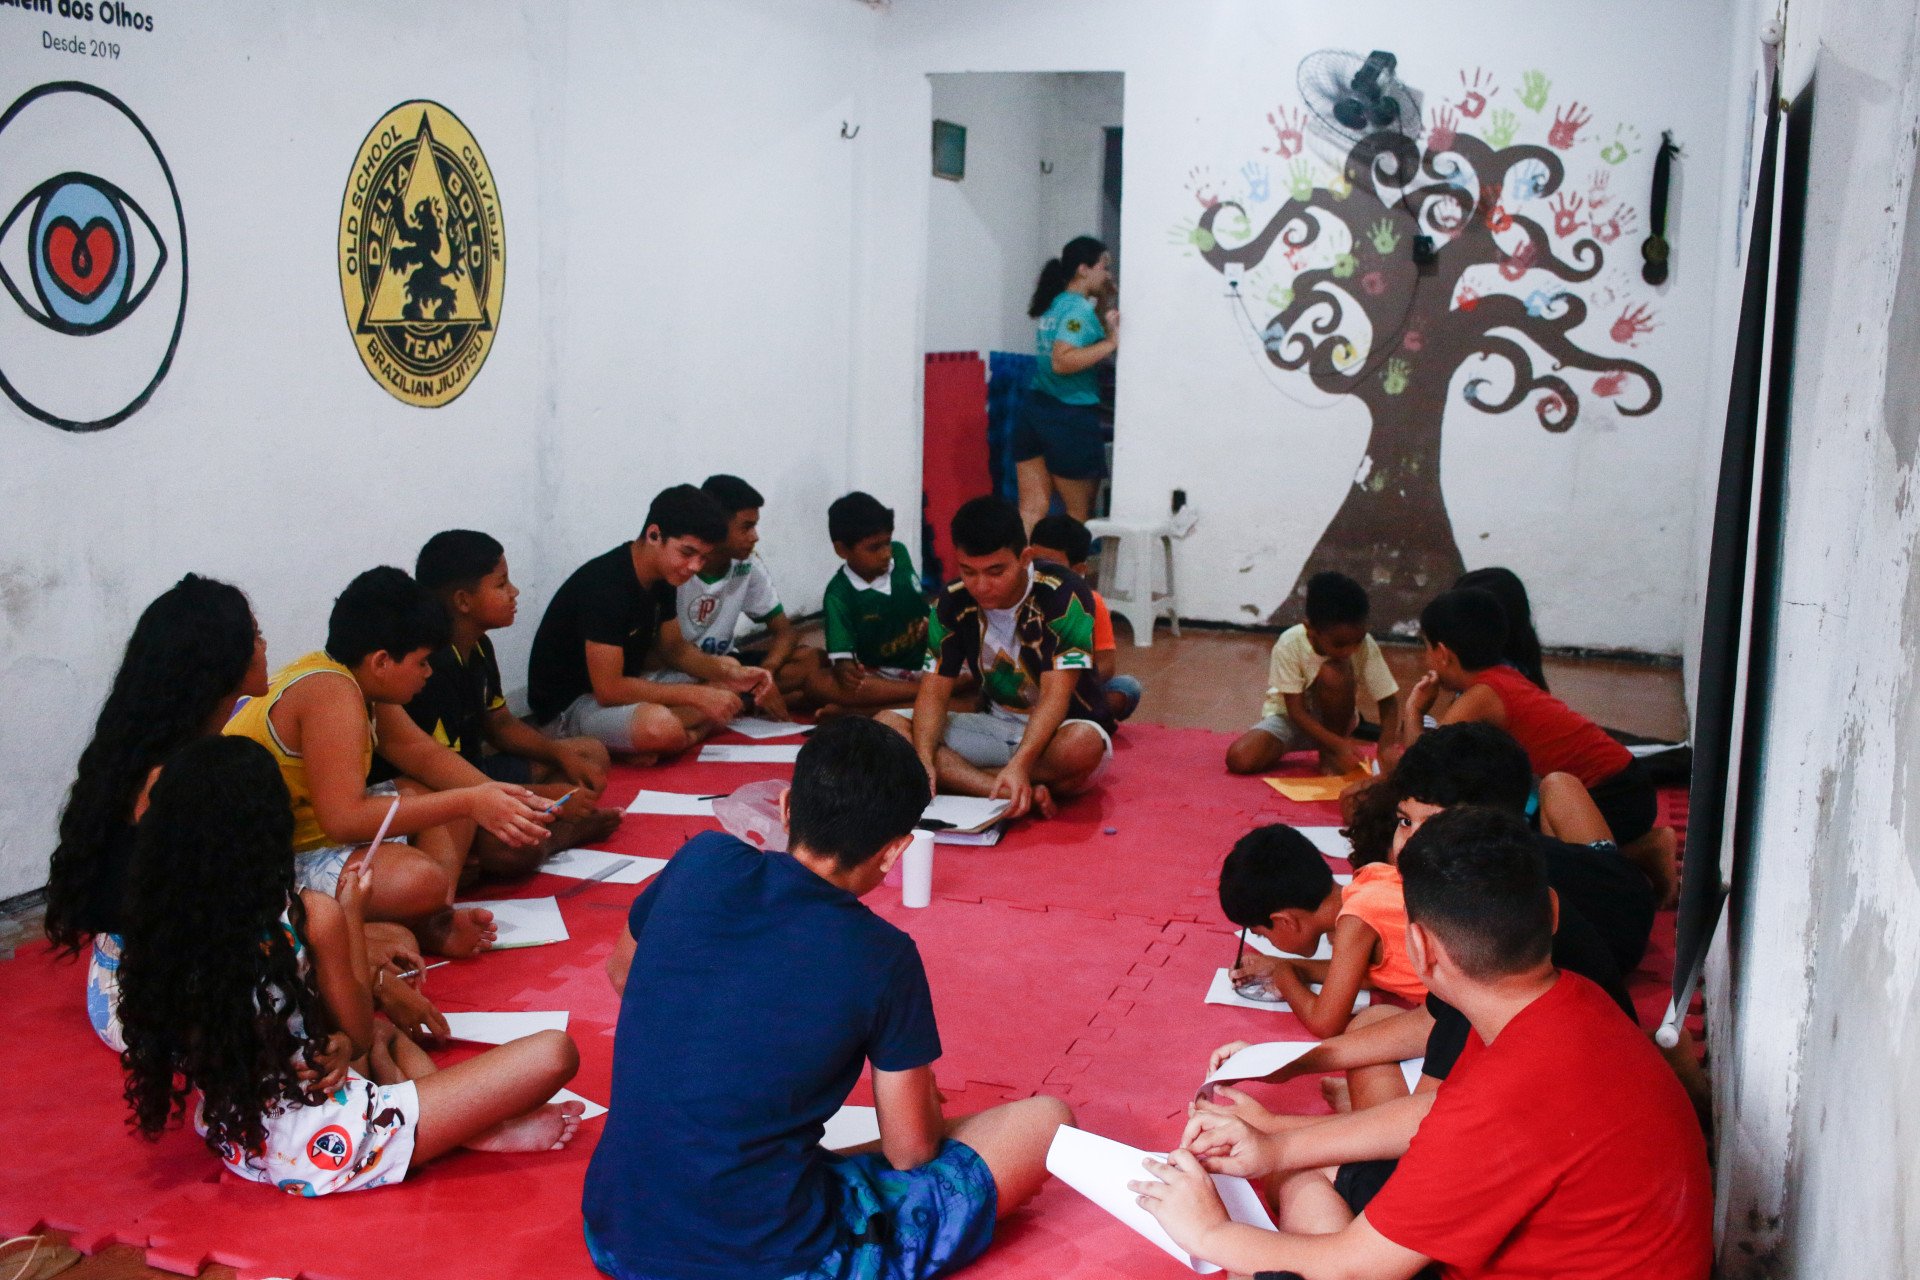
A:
1100	1169
1259	1060
851	1127
966	813
1328	840
1257	943
524	922
761	727
750	753
568	1095
498	1028
1641	751
1412	1069
589	864
674	803
1222	992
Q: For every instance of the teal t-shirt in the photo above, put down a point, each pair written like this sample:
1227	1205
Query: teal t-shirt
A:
1070	319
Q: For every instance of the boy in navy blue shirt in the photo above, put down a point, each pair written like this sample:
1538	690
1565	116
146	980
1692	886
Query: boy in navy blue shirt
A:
710	1165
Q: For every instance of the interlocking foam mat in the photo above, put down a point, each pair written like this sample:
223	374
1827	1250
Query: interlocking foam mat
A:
1069	959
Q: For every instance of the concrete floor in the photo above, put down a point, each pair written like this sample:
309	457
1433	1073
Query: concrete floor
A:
1204	679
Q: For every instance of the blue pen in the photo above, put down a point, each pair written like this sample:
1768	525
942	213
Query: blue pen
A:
557	803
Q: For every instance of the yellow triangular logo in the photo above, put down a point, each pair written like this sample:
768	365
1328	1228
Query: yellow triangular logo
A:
422	277
441	736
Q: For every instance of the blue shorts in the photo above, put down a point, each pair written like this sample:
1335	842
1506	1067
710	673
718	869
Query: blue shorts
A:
1071	437
891	1225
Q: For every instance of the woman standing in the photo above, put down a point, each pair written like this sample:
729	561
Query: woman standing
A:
1059	444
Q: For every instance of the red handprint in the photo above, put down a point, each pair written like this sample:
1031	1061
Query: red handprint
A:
1597	187
1412	340
1517	263
1567	124
1200	182
1610	384
1566	214
1478	90
1498	219
1616	224
1287	124
1633	322
1374	283
1469	297
1445	130
1293	257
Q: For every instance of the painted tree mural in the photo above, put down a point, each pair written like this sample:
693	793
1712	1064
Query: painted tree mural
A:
1515	261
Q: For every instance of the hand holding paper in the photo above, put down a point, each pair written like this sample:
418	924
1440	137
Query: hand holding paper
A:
1182	1199
1257	1062
1101	1169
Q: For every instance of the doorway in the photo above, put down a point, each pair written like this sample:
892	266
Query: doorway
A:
1023	162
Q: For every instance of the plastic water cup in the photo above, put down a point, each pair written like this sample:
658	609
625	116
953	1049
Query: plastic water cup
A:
916	877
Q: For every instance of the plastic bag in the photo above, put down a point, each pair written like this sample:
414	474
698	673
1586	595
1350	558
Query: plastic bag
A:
753	814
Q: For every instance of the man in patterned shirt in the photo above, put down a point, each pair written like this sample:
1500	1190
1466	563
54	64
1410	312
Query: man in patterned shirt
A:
1026	631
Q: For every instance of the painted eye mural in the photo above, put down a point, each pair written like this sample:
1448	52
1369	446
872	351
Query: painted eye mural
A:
90	254
93	258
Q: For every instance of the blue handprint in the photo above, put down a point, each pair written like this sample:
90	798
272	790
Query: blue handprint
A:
1259	187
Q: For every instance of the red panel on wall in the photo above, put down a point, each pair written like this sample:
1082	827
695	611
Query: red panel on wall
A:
955	456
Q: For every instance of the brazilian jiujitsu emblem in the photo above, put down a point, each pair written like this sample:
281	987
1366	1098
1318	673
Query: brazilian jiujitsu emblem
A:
422	254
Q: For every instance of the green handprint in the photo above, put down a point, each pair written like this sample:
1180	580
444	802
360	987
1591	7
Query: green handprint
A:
1394	380
1300	180
1280	297
1238	228
1339	186
1343	265
1534	86
1501	126
1385	238
1191	235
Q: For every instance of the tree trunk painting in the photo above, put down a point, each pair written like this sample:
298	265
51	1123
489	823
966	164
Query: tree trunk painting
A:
1510	264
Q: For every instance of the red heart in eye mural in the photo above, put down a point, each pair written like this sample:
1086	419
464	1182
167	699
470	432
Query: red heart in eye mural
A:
82	259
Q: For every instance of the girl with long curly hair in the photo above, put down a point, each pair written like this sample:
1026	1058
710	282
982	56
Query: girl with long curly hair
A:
193	653
257	996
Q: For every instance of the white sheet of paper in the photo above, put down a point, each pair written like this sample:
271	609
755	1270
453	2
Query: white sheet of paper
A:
964	812
498	1028
1257	943
1411	1070
750	753
1327	840
588	864
1343	877
1257	1060
851	1127
760	727
568	1095
524	922
675	803
1222	992
1100	1169
1641	751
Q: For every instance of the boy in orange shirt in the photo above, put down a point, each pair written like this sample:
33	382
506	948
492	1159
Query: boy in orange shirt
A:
1276	884
1064	540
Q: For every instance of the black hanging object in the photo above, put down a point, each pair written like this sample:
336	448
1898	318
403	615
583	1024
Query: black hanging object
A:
1656	250
1370	106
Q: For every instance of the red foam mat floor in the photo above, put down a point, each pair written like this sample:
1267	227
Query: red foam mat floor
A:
1098	928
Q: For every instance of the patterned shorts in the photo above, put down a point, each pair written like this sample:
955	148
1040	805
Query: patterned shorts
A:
910	1225
360	1137
103	990
319	869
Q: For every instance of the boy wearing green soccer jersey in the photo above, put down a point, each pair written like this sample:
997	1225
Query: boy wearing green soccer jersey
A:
875	614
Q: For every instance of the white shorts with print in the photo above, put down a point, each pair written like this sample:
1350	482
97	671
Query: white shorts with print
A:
360	1137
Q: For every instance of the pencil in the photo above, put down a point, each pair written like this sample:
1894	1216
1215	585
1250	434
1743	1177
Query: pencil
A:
1240	952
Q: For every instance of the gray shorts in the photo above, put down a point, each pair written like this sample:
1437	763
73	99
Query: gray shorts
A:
586	718
988	741
1292	737
319	869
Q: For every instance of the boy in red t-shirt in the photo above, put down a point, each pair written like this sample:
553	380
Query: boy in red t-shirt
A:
1600	1176
1465	632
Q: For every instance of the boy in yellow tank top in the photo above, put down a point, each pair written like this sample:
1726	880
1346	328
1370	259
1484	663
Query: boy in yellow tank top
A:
317	721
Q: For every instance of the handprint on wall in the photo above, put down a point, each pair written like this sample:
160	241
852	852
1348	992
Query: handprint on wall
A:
1477	91
1501	127
1259	185
1566	214
1288	124
1534	87
1618	221
1626	142
1201	183
1567	123
1440	137
1632	324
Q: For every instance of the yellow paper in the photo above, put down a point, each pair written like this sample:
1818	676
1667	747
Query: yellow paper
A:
1323	787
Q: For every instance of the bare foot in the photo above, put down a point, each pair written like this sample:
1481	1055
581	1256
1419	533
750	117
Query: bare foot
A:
1043	801
545	1128
567	833
1654	853
1339	1097
465	932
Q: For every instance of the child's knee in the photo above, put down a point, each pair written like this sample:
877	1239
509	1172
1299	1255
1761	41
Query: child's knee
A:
555	1053
408	887
656	730
1081	748
896	722
1251	753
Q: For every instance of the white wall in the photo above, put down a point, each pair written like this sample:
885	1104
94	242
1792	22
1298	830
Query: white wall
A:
681	235
1816	1029
1596	519
989	233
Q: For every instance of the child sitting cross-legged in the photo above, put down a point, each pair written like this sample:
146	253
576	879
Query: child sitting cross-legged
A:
875	614
1313	682
239	987
1277	885
711	1163
1064	540
1465	632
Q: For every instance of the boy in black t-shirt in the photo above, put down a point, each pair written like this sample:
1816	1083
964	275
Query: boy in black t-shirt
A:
463	705
615	619
1026	631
